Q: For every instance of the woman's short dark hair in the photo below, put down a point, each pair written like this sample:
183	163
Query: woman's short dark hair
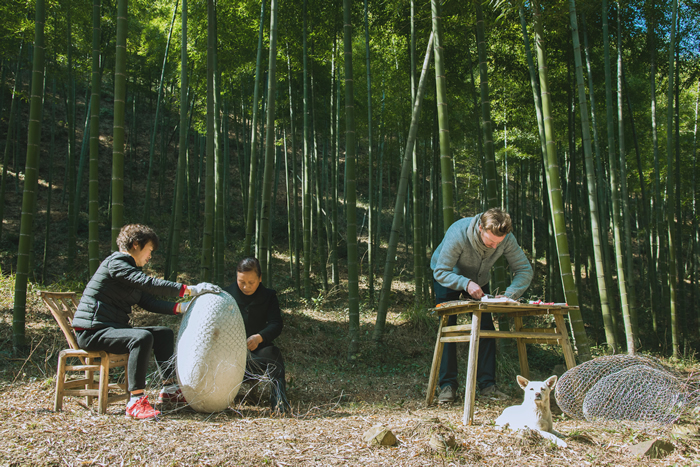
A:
249	264
136	234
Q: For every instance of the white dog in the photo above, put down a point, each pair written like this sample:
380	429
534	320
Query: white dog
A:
534	413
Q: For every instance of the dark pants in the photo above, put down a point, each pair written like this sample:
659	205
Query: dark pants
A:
486	362
268	361
138	342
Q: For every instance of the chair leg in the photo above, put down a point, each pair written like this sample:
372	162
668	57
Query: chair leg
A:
89	375
104	384
126	377
60	379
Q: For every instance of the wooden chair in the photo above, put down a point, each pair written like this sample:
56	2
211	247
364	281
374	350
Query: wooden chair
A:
63	306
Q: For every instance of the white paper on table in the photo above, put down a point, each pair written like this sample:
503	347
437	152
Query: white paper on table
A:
488	299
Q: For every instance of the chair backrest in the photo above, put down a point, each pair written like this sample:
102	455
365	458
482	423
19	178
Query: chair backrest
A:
62	306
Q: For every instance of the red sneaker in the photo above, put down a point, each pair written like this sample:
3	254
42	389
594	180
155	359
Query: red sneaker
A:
141	410
171	397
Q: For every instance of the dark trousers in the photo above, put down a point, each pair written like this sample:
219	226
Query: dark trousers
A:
138	342
486	362
268	361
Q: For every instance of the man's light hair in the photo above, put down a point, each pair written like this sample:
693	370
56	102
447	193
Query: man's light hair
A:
496	221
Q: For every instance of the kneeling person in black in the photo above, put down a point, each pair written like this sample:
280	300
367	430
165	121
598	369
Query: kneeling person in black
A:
263	323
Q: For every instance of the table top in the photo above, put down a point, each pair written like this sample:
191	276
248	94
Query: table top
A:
467	306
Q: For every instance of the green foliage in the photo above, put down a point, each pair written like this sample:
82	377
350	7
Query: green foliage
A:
417	315
17	23
61	284
315	303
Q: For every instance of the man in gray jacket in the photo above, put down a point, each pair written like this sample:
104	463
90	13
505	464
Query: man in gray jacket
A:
462	265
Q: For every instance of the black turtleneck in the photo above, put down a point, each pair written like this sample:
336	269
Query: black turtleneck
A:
261	312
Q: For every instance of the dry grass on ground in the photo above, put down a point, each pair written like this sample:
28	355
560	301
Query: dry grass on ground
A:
335	403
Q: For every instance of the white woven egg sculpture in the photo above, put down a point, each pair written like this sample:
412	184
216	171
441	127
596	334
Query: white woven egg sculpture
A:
211	352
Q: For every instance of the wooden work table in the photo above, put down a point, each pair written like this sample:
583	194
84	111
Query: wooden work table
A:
471	333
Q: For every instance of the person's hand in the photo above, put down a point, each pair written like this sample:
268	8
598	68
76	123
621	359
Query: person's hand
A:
254	341
202	288
185	307
474	290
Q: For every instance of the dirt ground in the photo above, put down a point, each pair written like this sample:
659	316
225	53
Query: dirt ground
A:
335	402
323	434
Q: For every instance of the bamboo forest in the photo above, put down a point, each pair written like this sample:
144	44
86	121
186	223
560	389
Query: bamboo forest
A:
337	141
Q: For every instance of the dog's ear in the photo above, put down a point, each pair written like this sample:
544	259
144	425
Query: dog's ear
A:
522	381
551	381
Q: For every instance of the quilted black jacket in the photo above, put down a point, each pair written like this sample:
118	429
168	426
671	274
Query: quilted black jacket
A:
116	286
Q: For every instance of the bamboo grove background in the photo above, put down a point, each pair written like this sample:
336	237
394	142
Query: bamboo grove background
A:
337	141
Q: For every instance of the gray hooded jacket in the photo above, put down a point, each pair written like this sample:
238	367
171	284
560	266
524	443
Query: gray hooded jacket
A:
462	257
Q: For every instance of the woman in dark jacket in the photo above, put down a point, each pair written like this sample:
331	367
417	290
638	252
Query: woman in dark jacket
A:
263	323
101	321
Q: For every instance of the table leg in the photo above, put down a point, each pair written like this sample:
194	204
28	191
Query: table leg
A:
470	385
569	356
522	350
435	367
